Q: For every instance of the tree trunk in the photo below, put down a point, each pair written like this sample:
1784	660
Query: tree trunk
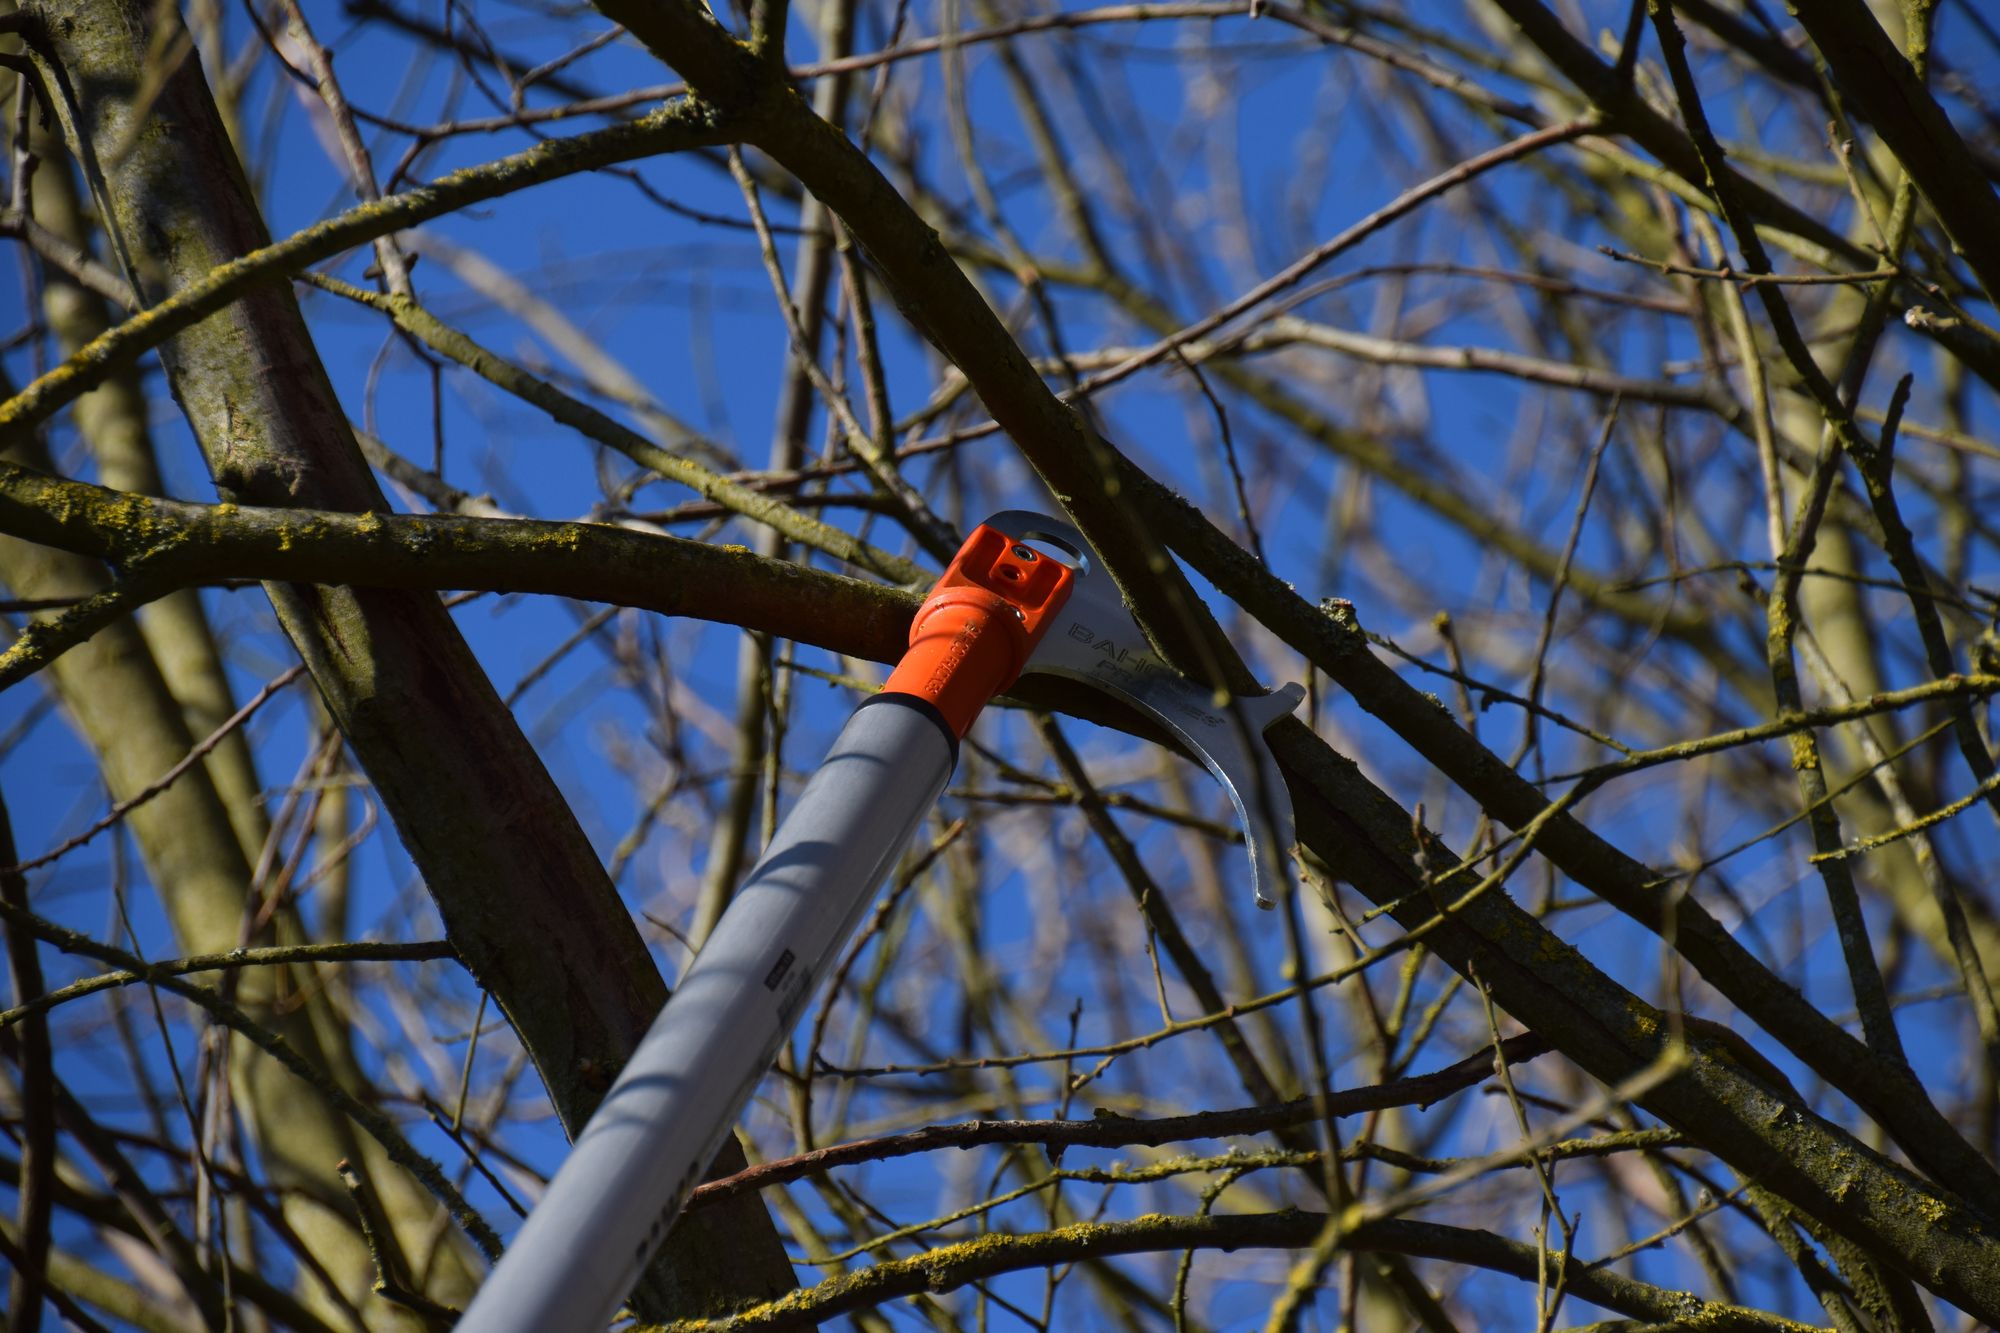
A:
520	889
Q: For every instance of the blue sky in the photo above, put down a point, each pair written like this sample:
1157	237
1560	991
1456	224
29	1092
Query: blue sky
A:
686	308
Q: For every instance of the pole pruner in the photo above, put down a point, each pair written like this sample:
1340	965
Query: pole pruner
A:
1024	594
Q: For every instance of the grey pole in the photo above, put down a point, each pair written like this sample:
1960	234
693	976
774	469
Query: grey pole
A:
658	1129
583	1247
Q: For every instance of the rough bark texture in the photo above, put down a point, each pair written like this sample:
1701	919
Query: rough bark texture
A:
120	703
514	877
113	420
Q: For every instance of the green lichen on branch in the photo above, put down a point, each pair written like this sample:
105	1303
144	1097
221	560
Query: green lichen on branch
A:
949	1267
177	543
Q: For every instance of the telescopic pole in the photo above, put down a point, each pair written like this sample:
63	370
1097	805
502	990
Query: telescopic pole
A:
630	1172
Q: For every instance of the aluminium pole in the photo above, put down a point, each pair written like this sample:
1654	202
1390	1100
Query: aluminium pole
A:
628	1175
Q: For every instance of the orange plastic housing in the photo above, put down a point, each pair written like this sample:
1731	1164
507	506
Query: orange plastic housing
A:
973	634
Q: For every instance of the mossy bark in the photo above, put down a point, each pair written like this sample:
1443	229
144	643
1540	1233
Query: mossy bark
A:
113	421
516	881
120	703
176	632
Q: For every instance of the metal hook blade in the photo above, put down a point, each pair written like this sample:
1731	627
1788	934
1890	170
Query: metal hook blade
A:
1096	641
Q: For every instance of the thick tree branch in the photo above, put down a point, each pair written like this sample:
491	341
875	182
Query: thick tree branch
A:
950	1266
1885	87
1332	640
181	543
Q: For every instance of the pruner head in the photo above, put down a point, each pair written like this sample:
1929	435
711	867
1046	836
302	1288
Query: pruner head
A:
1094	639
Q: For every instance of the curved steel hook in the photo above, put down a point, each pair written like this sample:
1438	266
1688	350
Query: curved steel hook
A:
1096	641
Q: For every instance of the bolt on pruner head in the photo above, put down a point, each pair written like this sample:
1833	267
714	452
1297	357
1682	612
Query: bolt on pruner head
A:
1093	639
